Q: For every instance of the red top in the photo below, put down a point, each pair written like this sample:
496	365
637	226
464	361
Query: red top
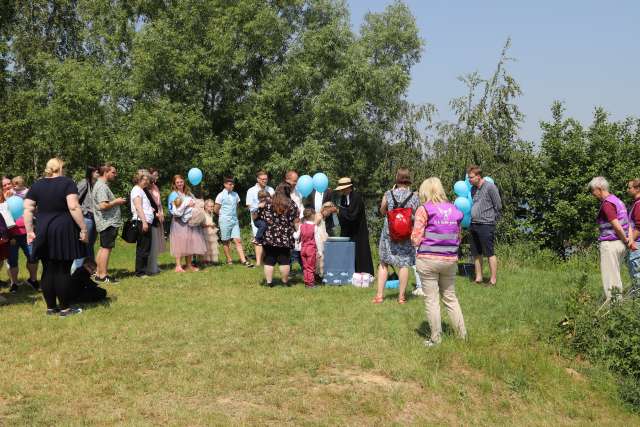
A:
608	212
19	229
635	216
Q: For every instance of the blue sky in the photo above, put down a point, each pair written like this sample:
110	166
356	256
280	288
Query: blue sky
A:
585	53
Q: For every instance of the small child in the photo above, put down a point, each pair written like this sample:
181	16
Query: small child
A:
19	188
210	234
190	210
307	233
261	225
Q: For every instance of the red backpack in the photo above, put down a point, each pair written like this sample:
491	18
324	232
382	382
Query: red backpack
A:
400	220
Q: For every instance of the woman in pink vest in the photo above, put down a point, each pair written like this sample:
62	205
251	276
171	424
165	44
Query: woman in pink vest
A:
613	224
436	235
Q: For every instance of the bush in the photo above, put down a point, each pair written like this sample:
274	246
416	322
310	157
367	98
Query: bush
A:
608	336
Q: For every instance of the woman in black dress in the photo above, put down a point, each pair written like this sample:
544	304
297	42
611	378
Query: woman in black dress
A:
60	235
281	216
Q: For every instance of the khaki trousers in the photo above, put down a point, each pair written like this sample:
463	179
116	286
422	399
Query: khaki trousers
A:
612	254
438	281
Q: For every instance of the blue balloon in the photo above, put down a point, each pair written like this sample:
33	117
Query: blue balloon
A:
466	181
171	198
195	176
461	189
305	185
462	203
320	182
489	179
466	221
16	206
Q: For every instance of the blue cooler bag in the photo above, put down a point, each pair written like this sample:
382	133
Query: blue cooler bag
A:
339	262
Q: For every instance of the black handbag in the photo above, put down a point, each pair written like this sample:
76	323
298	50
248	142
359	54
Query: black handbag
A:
130	231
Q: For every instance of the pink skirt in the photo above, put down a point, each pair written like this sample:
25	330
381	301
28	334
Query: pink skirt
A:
186	240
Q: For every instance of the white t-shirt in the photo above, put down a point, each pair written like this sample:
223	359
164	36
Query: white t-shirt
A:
146	205
252	196
317	201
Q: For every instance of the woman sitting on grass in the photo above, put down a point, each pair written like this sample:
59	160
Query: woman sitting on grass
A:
436	235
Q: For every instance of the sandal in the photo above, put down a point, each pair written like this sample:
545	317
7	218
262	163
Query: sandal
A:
377	299
229	262
248	264
179	270
401	300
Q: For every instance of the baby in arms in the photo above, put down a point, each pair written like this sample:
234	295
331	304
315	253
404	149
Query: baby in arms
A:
190	210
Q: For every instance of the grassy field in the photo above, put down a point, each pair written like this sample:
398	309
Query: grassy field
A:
215	348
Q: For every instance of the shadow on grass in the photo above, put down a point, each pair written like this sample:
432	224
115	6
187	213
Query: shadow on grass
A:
425	331
25	295
102	303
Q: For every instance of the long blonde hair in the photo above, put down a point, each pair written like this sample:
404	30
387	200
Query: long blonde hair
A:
54	166
431	190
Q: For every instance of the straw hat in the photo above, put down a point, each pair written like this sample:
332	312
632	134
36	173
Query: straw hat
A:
344	183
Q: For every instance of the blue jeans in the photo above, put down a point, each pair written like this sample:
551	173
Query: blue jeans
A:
633	262
91	231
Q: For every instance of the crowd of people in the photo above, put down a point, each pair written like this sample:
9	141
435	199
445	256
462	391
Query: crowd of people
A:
63	221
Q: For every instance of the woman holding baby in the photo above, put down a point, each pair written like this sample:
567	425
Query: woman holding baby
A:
186	239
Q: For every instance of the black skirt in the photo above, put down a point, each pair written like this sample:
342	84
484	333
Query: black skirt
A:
58	238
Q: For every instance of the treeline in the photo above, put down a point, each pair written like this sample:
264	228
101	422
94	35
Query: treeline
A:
232	87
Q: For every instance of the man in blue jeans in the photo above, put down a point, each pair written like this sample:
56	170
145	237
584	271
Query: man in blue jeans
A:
485	213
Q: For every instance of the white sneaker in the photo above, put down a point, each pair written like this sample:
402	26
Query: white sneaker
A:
417	292
429	343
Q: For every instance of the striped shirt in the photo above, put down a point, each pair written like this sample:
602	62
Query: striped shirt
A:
487	205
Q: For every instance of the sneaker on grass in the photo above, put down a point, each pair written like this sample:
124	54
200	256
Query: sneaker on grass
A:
107	279
70	312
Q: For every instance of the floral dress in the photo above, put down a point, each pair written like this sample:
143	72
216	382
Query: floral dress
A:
398	254
280	228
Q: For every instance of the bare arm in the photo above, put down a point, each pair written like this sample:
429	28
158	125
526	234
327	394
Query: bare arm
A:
29	207
384	207
76	213
216	208
137	203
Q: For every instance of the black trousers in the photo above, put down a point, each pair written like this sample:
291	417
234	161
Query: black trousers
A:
143	249
56	282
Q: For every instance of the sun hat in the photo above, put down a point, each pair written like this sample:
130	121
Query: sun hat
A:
344	183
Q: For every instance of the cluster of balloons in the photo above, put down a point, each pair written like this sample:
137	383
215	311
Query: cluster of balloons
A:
306	184
16	207
464	201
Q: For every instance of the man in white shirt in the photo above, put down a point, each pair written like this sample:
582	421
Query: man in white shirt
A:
252	204
291	178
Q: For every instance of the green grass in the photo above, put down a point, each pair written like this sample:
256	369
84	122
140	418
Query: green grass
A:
215	348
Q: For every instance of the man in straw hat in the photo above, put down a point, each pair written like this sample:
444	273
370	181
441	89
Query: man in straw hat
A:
353	224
